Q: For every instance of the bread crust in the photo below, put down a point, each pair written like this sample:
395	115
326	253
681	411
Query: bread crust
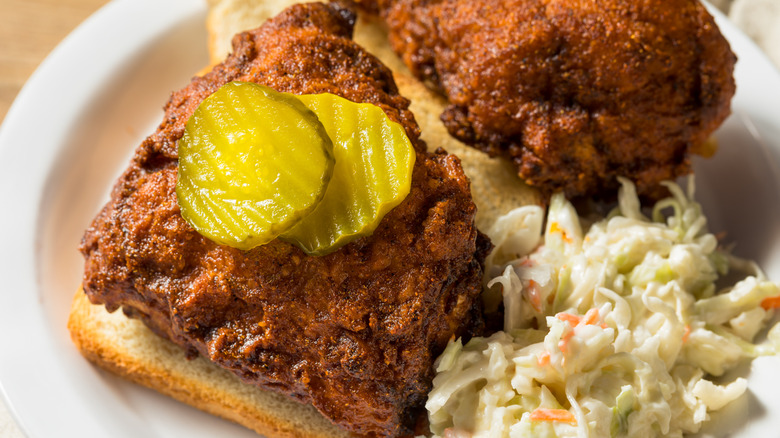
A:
127	348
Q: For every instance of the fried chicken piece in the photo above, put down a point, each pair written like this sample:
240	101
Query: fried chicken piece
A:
574	92
355	332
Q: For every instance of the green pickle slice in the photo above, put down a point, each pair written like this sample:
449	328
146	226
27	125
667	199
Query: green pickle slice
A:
373	174
252	163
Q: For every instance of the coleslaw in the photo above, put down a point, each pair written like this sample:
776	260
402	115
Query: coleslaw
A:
611	329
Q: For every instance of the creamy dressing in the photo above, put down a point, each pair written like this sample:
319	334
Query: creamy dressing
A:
611	330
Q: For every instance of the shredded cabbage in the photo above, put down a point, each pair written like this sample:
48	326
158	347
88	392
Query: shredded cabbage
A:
611	331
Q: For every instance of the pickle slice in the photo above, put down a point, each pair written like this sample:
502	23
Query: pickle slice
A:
373	174
252	163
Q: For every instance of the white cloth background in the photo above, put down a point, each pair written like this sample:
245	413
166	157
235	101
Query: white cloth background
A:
759	19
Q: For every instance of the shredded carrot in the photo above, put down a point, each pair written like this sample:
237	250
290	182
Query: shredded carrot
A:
534	295
771	303
560	415
543	358
591	317
687	333
563	344
573	320
555	228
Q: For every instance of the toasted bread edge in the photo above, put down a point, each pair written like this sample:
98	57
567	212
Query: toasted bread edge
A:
127	348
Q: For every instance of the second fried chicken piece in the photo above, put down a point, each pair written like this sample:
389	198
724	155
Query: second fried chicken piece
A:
574	92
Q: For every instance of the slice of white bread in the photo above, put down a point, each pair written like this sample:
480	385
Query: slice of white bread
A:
127	348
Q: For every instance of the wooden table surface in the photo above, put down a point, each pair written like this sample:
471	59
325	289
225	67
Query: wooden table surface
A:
29	30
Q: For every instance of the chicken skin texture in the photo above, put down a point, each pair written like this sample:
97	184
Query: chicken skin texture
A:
354	333
573	92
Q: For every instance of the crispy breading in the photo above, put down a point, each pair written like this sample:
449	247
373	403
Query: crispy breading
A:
355	332
574	92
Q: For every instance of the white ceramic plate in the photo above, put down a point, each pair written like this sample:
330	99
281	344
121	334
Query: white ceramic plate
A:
72	129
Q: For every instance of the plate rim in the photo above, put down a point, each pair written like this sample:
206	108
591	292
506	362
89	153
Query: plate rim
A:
24	246
103	42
